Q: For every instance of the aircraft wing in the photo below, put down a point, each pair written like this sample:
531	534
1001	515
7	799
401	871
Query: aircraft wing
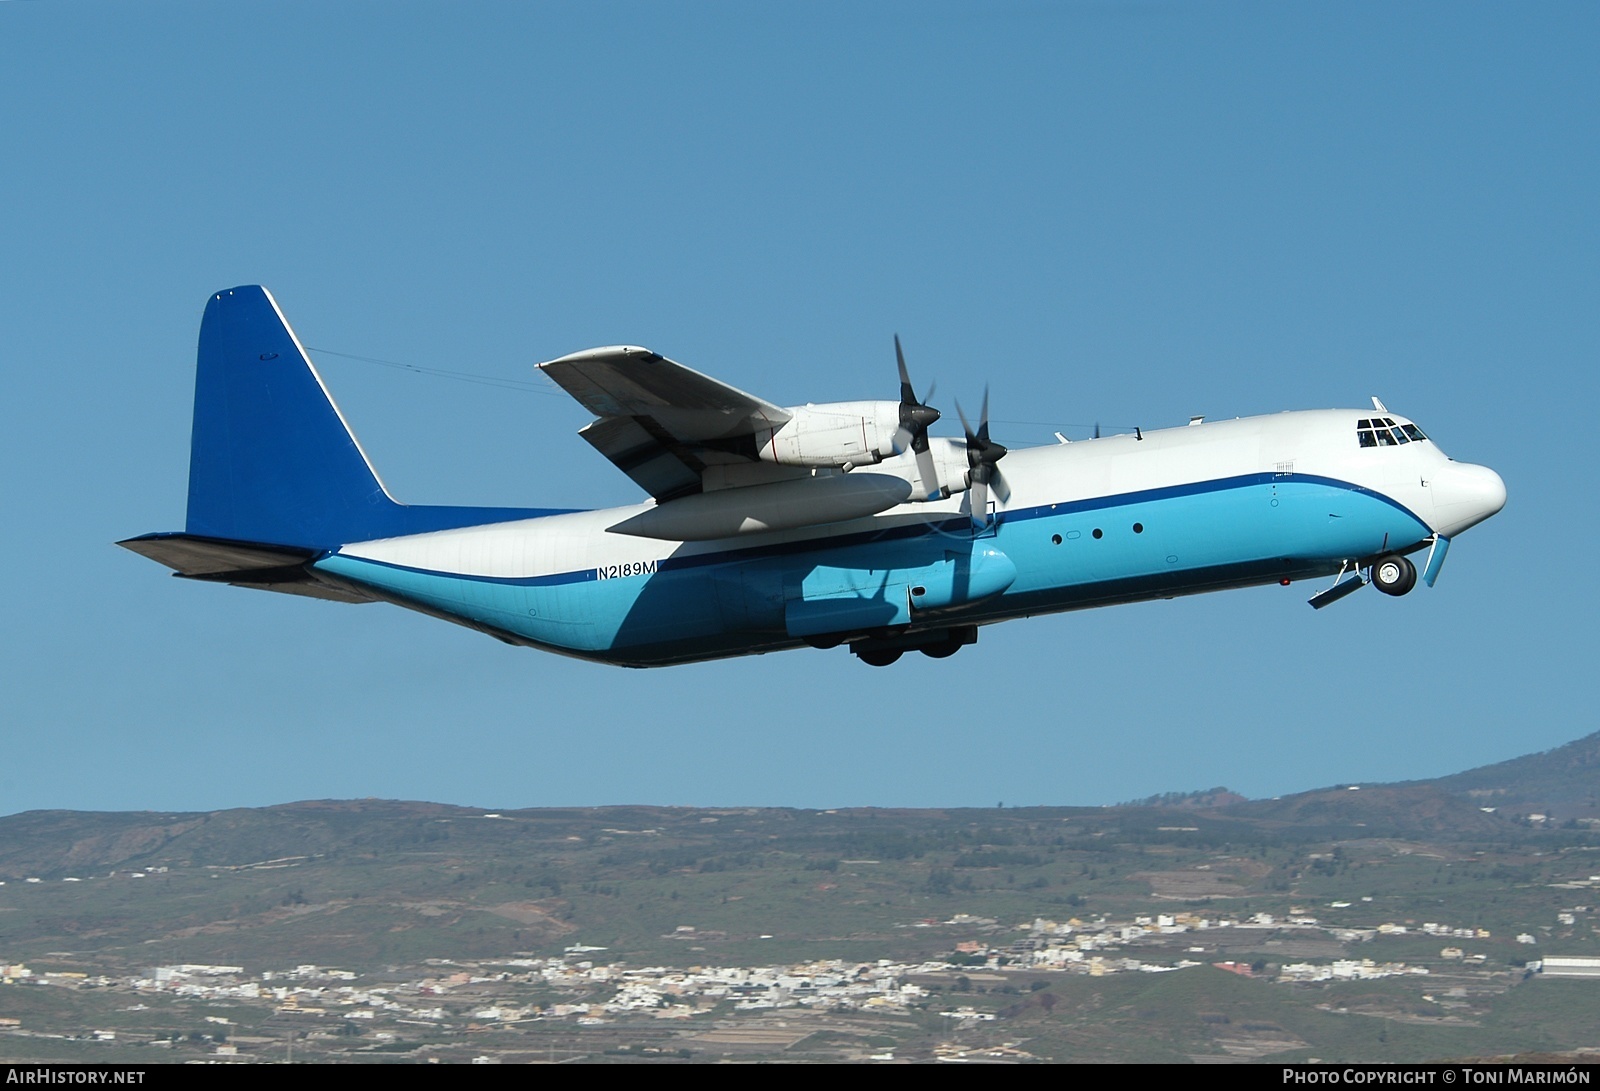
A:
661	423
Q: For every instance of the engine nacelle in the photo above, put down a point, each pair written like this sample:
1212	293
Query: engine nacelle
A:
947	458
833	434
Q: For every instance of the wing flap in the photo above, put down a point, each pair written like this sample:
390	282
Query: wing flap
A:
659	469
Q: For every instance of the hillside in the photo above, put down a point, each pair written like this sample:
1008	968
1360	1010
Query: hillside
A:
1044	919
1563	783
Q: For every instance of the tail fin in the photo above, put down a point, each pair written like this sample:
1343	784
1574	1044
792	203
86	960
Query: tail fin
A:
271	459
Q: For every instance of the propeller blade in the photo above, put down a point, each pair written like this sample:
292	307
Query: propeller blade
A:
983	455
928	473
966	426
1001	489
915	416
908	396
978	502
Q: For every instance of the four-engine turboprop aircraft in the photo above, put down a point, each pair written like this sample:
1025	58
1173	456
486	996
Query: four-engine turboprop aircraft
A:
777	527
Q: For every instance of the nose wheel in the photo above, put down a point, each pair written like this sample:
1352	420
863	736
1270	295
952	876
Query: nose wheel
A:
1393	574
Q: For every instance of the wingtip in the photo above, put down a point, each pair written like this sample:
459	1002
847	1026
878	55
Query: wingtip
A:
604	352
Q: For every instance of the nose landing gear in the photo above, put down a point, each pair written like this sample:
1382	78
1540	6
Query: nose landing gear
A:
1393	574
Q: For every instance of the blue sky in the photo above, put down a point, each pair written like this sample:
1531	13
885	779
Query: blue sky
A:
1124	213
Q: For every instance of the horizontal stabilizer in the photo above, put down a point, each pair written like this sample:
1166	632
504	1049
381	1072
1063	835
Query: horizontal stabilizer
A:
242	564
188	555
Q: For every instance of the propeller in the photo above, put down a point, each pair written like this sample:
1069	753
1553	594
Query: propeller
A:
983	456
915	418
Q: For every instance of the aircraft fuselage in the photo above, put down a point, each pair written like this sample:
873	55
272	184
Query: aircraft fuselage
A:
1121	519
775	527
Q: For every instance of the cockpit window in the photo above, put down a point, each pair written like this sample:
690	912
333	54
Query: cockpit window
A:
1383	432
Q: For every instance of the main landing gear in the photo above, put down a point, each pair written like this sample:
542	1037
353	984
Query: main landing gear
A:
1393	574
881	651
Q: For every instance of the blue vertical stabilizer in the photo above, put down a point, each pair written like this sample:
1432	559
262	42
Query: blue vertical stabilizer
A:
271	459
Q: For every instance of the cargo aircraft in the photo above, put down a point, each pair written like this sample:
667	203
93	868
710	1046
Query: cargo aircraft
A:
773	527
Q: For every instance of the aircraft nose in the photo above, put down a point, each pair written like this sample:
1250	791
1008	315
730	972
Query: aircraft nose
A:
1465	495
